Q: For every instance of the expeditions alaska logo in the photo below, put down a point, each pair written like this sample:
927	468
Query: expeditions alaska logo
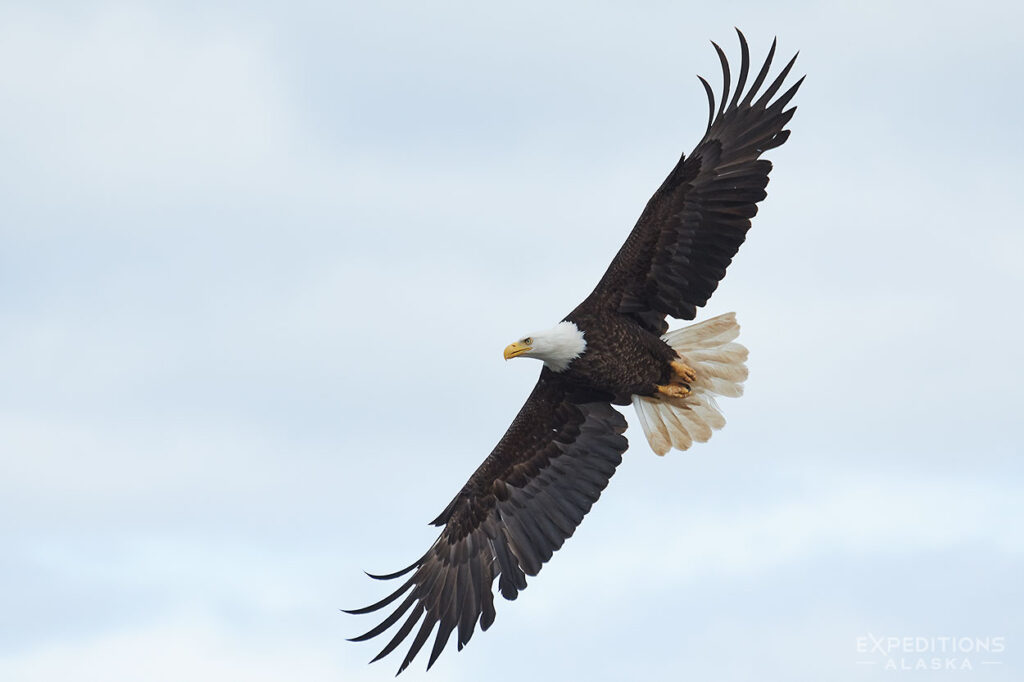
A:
918	653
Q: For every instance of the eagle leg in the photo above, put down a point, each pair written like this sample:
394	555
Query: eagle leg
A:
684	372
674	390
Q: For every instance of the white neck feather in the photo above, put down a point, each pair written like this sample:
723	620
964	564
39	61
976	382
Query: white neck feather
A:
558	346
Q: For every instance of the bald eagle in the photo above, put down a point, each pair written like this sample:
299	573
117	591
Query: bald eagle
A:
549	468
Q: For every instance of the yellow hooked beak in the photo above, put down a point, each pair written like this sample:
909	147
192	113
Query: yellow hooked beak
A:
517	348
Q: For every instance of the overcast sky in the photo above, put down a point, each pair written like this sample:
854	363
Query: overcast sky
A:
258	264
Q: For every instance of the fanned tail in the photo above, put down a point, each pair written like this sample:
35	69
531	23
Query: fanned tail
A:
709	349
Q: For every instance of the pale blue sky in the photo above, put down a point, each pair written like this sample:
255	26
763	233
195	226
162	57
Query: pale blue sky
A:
258	263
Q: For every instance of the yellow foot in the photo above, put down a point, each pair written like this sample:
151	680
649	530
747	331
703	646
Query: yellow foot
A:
674	390
684	371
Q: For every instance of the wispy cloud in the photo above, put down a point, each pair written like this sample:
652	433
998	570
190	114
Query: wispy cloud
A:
253	264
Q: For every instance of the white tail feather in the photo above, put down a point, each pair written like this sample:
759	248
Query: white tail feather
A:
707	347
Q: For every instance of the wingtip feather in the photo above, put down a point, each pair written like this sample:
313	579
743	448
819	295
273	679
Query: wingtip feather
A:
711	100
392	576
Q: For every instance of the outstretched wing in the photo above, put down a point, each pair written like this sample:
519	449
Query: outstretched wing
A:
516	509
694	224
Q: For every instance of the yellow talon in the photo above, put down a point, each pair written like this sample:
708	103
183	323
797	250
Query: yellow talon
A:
686	373
674	390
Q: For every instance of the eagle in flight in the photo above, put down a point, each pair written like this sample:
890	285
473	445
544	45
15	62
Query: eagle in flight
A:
615	348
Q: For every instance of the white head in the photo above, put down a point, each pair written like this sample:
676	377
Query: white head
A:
557	346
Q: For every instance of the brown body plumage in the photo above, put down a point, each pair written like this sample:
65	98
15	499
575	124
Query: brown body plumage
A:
533	490
622	358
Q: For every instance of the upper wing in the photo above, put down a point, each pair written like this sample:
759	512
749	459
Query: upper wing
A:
692	227
519	506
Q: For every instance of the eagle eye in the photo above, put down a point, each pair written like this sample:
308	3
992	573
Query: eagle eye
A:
528	341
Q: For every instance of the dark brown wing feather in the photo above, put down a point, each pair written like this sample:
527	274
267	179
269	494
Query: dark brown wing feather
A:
519	506
694	224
